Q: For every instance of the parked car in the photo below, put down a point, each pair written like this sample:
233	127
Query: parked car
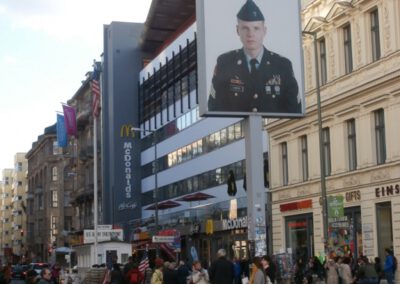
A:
38	266
18	271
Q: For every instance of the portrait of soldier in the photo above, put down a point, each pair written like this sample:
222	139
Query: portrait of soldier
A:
253	78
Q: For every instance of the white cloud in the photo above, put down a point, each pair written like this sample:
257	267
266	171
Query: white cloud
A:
75	19
9	60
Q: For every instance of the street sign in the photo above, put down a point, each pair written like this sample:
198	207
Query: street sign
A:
163	239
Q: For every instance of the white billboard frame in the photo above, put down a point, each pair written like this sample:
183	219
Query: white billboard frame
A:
216	35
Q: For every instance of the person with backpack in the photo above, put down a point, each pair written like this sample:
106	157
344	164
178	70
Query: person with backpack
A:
389	266
134	275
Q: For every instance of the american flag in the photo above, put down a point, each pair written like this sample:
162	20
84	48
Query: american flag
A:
96	93
144	263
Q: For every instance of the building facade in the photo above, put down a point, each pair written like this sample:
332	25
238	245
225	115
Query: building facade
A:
13	211
49	198
80	178
358	51
6	230
18	204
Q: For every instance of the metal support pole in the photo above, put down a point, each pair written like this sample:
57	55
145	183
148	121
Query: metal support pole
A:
255	184
95	185
155	193
321	144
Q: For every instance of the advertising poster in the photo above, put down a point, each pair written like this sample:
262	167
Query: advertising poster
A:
250	58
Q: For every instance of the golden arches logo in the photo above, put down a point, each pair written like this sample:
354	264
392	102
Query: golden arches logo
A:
126	131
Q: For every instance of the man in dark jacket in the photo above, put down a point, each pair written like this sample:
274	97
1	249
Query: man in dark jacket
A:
221	270
183	272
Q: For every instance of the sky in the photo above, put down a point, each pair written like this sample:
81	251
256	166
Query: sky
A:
46	48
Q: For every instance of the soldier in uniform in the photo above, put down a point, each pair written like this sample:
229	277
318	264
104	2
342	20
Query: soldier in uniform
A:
253	79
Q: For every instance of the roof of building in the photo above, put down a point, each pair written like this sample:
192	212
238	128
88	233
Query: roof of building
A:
165	21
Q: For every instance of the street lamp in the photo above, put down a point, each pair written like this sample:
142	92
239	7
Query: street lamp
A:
155	171
321	154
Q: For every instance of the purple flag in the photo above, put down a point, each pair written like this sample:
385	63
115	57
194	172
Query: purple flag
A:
70	120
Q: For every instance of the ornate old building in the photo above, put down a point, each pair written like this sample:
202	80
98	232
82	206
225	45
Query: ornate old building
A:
357	62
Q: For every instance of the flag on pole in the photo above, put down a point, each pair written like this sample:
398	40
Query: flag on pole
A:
70	120
144	263
61	131
96	92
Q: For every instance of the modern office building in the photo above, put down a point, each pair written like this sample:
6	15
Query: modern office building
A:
357	69
150	116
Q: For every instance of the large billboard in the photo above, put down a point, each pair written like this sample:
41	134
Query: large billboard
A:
250	58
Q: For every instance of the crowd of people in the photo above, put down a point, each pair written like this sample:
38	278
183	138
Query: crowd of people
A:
260	270
221	271
347	270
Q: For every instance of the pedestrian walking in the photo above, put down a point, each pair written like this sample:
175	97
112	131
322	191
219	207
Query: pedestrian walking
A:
157	276
221	270
257	275
269	267
183	272
389	266
45	275
199	274
332	272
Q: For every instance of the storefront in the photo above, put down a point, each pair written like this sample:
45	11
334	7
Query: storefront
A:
229	234
364	227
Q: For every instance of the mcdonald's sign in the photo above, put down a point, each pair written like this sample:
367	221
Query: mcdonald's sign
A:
126	131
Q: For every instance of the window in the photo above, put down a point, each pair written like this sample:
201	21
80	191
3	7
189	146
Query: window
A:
40	201
384	227
351	144
19	167
326	150
68	223
54	198
54	222
375	42
285	170
322	61
380	136
299	235
54	174
304	157
348	58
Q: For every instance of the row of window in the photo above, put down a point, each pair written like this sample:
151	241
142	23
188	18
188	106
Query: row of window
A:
173	81
347	47
380	144
199	182
172	128
204	145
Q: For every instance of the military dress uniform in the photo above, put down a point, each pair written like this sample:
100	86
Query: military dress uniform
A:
271	88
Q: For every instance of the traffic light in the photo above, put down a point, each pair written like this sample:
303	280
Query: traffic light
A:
231	184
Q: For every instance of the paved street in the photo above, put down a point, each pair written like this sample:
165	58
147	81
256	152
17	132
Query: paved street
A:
17	281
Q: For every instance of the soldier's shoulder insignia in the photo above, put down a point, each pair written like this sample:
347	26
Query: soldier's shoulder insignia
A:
212	91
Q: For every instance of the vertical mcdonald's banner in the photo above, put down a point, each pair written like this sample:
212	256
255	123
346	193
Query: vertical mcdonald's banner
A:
209	227
61	131
70	120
